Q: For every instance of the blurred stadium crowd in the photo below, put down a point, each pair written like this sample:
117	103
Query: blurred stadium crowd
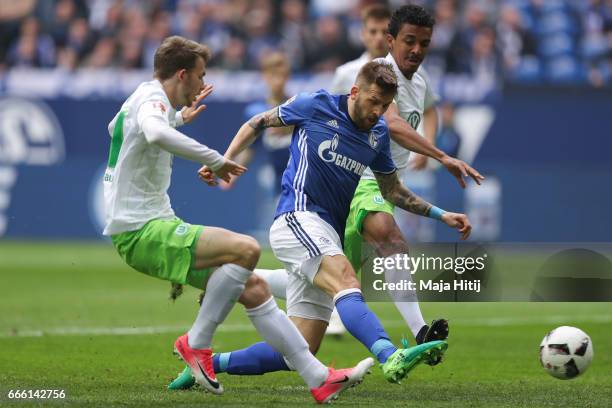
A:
529	41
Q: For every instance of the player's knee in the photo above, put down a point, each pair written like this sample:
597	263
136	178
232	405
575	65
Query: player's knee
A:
351	283
248	251
345	277
256	292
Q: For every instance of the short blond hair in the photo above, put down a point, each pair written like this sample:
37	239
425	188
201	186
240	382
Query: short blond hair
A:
177	53
274	60
376	12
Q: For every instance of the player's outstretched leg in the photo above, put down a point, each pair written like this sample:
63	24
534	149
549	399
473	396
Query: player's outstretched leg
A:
257	359
400	363
337	278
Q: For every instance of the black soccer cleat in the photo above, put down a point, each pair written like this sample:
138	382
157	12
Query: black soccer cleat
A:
437	331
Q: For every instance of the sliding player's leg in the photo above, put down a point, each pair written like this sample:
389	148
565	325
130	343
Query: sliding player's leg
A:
271	323
336	277
257	359
312	252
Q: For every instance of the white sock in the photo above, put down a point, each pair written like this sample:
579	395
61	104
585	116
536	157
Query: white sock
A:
406	301
276	279
223	289
279	332
411	312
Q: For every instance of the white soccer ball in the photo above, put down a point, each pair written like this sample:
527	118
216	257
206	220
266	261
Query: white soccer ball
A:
566	352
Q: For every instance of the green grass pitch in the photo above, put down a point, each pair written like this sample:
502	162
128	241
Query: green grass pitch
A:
74	318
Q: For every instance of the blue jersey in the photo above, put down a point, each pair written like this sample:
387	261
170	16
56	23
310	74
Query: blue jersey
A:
328	154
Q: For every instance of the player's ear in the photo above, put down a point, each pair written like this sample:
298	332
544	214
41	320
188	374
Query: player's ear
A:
181	73
389	41
354	92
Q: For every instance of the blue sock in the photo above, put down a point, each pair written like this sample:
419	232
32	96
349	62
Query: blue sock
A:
363	324
260	358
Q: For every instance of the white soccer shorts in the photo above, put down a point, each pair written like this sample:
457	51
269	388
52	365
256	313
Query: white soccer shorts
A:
300	240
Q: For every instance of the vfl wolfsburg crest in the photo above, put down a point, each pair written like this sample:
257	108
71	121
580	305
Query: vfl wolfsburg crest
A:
182	229
414	118
373	140
378	199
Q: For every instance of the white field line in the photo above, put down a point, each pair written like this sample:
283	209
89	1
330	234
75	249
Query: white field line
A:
245	327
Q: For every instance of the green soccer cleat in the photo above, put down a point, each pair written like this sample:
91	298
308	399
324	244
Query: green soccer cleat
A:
184	381
405	359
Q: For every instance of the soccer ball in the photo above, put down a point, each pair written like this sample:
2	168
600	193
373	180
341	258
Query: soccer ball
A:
566	352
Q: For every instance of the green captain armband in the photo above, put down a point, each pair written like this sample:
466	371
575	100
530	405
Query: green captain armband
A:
436	213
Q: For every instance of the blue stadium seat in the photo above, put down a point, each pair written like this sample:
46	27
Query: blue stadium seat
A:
556	45
550	6
565	70
592	48
528	71
555	23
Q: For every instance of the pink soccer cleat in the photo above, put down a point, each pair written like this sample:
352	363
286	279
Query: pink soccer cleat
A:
339	380
201	364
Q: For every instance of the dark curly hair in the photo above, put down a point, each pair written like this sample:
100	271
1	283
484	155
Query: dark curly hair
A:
410	14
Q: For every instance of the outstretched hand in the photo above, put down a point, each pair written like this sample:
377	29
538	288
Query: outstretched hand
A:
461	169
458	221
225	173
191	112
207	176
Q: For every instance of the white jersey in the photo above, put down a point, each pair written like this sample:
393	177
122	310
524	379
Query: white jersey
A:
137	178
414	96
345	74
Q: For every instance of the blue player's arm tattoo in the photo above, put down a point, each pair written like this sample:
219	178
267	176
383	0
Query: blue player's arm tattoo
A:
395	192
265	120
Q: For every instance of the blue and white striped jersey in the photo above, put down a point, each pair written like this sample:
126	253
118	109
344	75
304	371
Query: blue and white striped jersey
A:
328	156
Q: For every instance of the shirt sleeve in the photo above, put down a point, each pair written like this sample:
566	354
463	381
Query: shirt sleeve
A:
337	84
157	131
383	163
297	109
